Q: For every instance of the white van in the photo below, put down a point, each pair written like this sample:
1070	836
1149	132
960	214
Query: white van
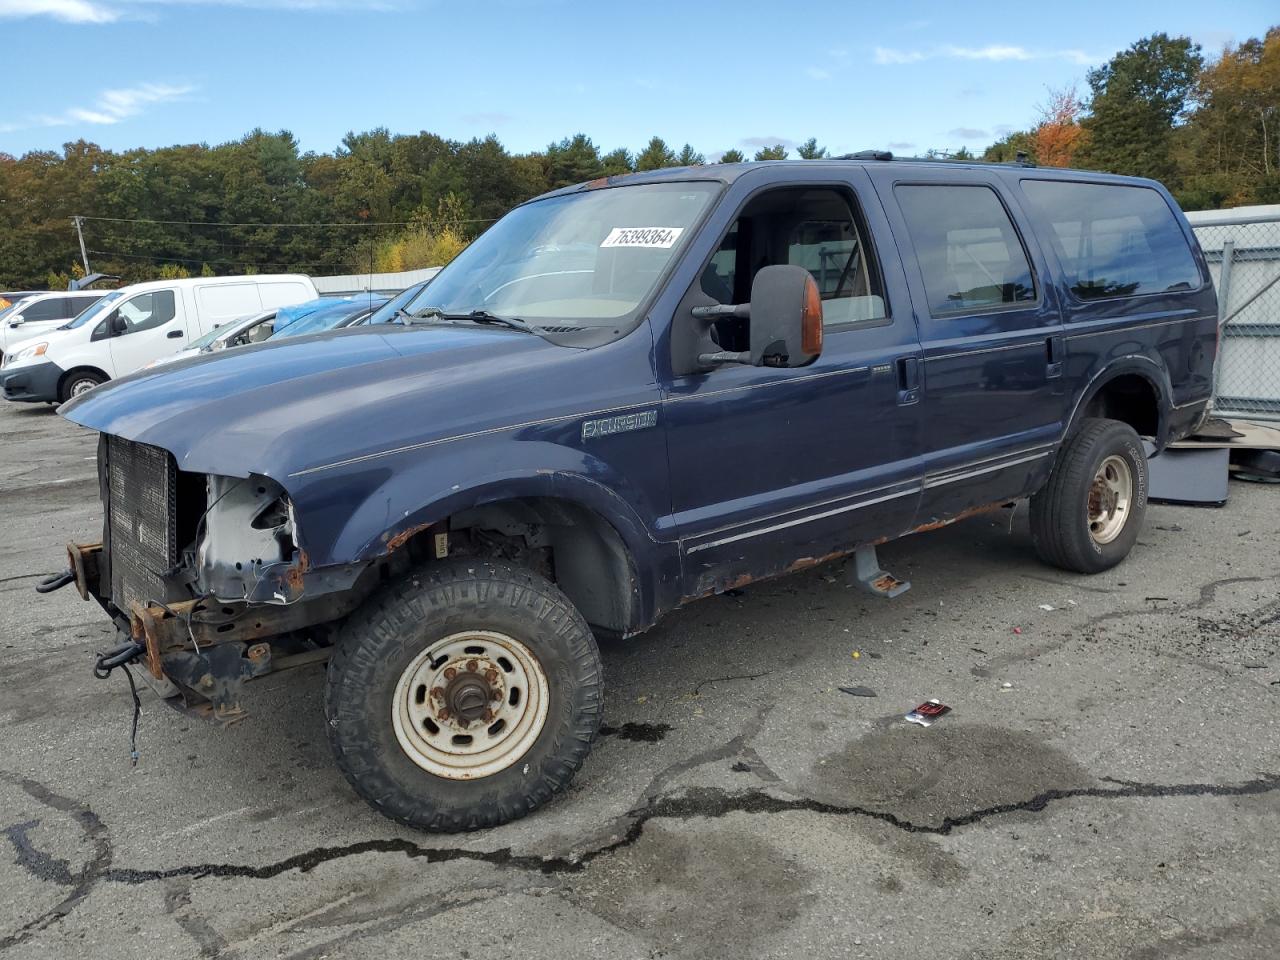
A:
40	312
130	327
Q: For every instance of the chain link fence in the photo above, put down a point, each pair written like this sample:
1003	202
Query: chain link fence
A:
1242	247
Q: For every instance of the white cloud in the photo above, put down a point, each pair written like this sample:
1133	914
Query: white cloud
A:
993	52
886	55
967	133
817	73
110	107
93	11
68	11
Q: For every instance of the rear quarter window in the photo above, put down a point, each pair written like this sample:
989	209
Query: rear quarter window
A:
1114	240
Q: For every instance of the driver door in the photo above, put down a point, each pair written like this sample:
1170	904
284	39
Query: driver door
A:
776	468
145	327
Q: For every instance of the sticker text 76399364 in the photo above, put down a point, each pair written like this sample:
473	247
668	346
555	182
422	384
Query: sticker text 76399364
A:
661	238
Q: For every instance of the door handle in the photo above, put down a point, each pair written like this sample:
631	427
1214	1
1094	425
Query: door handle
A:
908	379
173	334
1055	355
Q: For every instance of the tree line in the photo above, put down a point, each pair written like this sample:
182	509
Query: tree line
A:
1209	129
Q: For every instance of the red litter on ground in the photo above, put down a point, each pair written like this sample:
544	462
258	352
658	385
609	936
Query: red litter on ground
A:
927	713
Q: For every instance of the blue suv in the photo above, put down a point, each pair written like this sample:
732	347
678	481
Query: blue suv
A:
624	396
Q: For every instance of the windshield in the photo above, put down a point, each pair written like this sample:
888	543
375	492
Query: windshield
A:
92	312
225	330
325	319
578	262
15	308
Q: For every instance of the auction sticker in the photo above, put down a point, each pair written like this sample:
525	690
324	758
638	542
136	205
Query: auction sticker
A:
661	238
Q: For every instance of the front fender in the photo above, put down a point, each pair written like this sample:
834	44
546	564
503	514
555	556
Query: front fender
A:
362	512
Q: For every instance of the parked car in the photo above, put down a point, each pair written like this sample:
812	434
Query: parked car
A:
395	309
344	313
33	315
9	297
252	328
134	325
624	396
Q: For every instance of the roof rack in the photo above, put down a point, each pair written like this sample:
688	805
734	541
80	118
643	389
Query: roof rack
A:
1021	159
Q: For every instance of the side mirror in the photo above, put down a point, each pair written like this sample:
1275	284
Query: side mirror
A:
116	325
17	321
786	320
786	317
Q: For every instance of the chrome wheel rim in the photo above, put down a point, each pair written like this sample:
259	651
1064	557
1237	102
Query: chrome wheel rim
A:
1110	496
470	705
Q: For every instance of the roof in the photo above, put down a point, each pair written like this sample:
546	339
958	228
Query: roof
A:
729	172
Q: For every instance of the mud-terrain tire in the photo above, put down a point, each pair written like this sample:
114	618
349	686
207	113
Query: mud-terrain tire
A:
402	662
78	382
1088	516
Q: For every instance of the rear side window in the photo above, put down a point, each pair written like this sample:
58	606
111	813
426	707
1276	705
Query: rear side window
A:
969	253
1114	240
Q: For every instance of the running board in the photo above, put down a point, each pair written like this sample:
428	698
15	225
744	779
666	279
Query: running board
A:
870	577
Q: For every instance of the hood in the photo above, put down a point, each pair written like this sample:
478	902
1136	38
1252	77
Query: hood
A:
279	407
50	335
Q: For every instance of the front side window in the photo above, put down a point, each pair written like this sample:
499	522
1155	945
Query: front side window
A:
43	310
969	253
577	263
816	228
1114	240
147	311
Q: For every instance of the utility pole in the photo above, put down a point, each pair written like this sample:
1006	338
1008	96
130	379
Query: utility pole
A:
80	233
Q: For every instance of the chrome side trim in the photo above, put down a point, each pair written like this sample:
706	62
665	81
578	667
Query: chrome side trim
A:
799	520
938	481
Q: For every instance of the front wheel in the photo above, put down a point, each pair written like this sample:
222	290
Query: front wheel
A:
464	696
79	382
1088	516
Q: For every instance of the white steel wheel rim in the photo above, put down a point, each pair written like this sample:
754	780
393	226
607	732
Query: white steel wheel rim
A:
436	701
82	386
1110	497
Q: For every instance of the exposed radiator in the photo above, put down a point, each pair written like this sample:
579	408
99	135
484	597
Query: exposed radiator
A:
141	529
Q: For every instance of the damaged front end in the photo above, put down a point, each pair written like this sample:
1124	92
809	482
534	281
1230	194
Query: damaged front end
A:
206	575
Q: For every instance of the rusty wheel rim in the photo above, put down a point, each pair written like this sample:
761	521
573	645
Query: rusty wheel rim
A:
470	705
1110	496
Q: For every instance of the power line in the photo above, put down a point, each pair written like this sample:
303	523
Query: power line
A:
234	263
358	223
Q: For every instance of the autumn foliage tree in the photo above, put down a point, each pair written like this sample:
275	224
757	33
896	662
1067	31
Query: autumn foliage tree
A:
1058	136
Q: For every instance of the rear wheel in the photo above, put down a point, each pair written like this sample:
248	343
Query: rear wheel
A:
1088	516
464	696
78	382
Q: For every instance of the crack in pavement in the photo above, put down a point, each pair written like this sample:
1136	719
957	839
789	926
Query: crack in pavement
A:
81	883
697	803
1208	592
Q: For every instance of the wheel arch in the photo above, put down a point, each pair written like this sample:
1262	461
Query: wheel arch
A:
81	368
1134	390
603	557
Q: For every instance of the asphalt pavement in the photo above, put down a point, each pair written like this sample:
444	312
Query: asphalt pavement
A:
1107	783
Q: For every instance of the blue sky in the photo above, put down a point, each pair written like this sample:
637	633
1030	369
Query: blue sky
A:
907	76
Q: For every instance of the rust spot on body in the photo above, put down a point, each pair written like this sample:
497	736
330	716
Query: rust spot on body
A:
404	536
